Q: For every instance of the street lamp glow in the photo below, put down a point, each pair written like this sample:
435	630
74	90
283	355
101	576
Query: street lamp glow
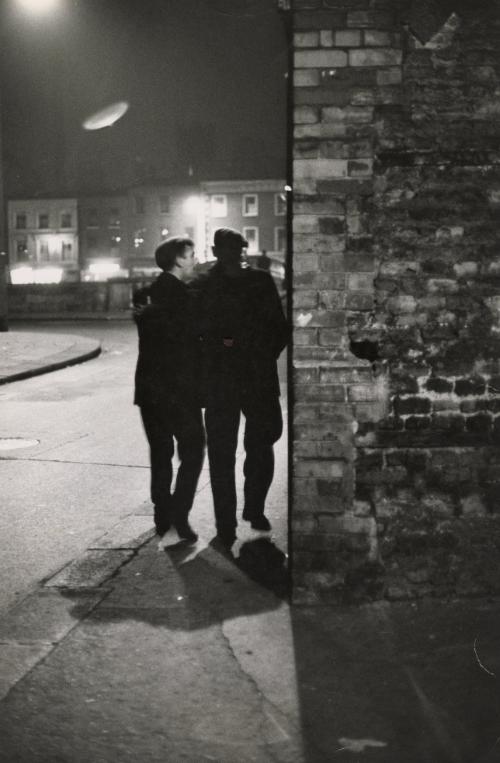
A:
38	7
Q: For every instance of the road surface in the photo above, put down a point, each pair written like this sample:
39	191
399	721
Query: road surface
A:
89	468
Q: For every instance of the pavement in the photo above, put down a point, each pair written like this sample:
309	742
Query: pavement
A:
24	353
145	650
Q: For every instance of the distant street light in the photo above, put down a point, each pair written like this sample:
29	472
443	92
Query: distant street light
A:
38	7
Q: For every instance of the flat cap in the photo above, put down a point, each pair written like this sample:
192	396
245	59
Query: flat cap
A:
229	238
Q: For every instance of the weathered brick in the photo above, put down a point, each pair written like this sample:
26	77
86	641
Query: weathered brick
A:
320	131
331	300
306	78
332	225
326	38
306	375
320	168
304	263
348	38
305	224
305	299
330	338
480	422
376	37
305	337
437	384
305	115
390	76
413	404
319	20
373	19
375	57
320	392
319	469
359	301
306	39
304	243
470	386
349	114
362	392
345	187
317	59
357	168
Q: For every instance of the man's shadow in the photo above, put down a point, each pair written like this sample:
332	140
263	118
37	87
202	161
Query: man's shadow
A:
176	590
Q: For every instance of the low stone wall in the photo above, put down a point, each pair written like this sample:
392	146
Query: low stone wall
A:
70	299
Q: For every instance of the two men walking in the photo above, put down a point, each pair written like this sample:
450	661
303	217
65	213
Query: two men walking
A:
215	347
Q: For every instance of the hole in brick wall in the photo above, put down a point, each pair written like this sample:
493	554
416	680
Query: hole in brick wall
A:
365	349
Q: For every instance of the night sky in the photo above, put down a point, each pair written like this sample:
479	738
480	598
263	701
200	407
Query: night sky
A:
205	80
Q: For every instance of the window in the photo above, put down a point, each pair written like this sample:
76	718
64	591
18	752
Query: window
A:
252	236
139	205
67	251
21	221
218	205
66	220
21	249
279	204
279	239
92	218
114	218
164	204
250	206
43	250
43	220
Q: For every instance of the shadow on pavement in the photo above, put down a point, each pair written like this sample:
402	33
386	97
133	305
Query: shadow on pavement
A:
399	683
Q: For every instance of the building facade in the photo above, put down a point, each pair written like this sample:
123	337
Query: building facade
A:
43	237
257	208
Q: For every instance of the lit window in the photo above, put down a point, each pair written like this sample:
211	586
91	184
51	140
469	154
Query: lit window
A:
279	204
21	220
252	236
44	251
43	220
218	205
164	204
279	239
250	205
139	205
66	220
21	249
67	251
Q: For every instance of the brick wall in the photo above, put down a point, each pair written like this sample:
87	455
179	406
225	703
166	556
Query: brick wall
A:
396	414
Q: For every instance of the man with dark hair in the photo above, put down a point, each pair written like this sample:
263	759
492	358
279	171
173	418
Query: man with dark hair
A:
165	388
243	331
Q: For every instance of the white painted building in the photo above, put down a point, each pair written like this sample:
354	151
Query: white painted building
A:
43	239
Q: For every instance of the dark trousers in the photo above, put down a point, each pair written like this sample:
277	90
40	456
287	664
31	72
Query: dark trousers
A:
263	427
163	423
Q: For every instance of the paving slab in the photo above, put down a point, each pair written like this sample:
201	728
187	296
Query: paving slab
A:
130	533
46	616
16	660
89	570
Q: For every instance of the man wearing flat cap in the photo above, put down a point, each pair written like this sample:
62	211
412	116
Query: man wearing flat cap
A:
242	330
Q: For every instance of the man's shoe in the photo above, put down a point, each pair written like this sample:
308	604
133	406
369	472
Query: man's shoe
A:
223	544
186	532
260	523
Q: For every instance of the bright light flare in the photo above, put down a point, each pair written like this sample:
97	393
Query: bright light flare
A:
192	205
24	275
106	117
104	268
38	7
